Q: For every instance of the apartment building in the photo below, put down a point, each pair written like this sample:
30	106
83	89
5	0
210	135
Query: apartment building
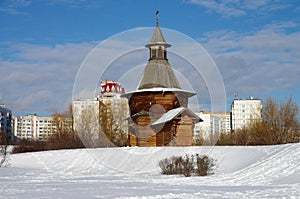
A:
244	111
6	121
107	113
33	127
213	124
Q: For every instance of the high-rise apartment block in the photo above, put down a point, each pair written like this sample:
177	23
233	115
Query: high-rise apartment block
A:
33	127
244	111
213	124
107	114
221	122
6	121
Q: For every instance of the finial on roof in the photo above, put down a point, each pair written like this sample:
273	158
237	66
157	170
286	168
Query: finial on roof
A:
157	12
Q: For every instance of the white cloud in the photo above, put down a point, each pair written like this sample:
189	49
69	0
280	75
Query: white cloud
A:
253	5
41	77
75	3
11	11
257	62
17	3
11	6
225	8
32	98
236	8
251	63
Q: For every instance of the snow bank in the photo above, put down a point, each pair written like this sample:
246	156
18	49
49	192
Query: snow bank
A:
243	172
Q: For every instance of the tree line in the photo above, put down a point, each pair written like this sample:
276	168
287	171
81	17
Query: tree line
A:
64	136
279	125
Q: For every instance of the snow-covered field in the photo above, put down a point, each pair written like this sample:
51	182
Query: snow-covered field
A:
243	172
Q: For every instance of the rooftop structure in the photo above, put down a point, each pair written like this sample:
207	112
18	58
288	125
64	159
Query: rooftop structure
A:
158	72
111	88
102	121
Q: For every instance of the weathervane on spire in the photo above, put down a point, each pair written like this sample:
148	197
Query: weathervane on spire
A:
157	12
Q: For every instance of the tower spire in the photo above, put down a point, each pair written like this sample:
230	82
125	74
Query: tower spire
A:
158	72
157	12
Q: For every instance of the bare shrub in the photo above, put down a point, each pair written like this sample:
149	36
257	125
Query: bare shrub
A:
199	140
200	165
205	165
63	137
241	136
25	146
64	140
225	139
60	140
167	166
188	165
178	165
279	124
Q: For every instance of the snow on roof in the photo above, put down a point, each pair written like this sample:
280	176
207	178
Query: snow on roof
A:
174	113
168	115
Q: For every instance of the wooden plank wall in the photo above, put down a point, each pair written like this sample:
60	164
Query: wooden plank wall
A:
144	135
132	140
184	134
144	101
165	135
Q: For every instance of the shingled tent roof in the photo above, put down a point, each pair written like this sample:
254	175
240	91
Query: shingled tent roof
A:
157	38
158	72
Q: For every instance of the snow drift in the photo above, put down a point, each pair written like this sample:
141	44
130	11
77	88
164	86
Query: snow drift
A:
242	172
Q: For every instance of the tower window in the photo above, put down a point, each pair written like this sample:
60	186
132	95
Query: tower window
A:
153	53
160	53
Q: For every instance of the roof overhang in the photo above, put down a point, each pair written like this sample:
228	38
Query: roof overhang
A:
174	113
176	91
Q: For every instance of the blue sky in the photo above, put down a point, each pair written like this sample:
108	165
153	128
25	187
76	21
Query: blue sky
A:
255	44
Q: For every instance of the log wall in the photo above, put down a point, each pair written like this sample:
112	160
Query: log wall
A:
184	132
144	101
143	112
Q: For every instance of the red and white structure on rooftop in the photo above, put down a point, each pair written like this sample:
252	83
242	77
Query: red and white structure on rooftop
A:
109	86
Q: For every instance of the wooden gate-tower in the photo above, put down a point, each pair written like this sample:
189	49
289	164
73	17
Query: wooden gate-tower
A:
158	108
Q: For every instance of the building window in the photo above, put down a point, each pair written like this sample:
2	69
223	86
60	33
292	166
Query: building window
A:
153	53
160	53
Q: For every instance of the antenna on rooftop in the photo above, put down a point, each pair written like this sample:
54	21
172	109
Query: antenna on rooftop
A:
236	95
